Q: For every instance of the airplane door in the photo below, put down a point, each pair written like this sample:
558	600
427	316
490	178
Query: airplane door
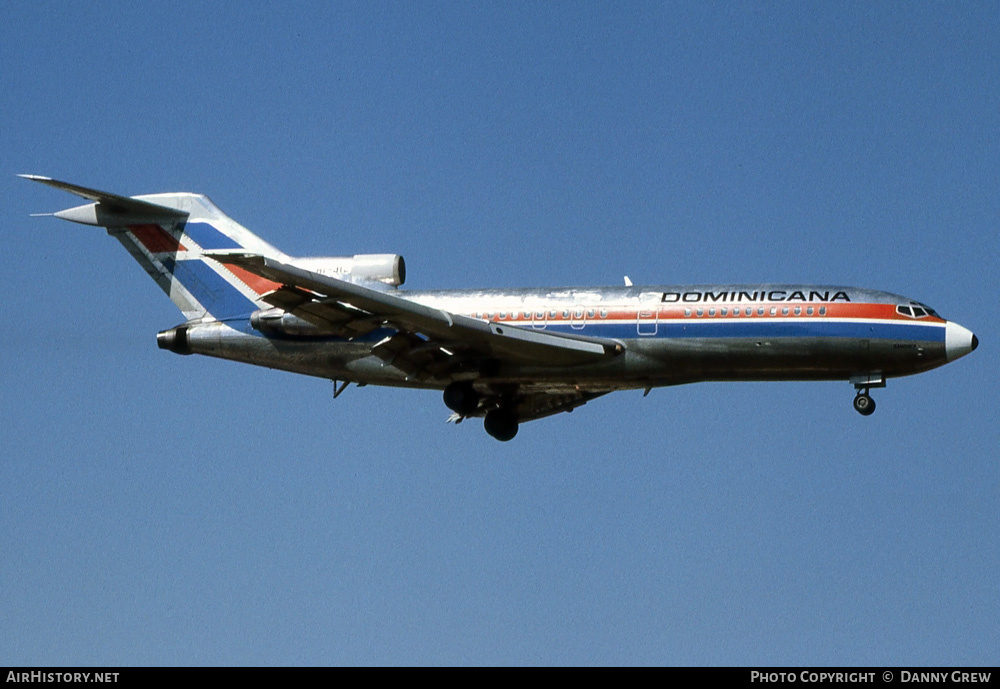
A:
648	318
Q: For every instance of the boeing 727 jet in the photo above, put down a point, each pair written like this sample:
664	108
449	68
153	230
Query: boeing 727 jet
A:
507	356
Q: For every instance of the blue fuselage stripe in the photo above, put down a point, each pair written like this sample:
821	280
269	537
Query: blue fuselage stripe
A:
627	330
860	329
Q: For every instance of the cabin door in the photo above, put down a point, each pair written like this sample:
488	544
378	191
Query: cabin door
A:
648	314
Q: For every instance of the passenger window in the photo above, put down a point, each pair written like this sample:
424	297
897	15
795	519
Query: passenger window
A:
687	313
809	311
798	310
784	310
590	313
711	312
822	311
565	314
700	312
604	313
723	311
774	310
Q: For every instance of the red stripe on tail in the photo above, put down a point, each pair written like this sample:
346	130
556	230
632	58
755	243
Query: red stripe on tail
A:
156	239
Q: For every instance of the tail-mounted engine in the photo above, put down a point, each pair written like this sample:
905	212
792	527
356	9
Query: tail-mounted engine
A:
174	340
389	269
278	322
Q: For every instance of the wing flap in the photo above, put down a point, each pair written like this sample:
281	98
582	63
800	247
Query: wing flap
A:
540	405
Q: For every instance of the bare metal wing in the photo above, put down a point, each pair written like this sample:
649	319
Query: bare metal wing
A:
351	309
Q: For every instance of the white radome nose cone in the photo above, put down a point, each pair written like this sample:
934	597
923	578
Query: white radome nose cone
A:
958	341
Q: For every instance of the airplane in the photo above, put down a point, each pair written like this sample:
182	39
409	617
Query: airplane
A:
506	355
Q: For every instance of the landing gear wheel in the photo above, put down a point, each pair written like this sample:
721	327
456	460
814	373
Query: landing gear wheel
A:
864	404
501	424
461	398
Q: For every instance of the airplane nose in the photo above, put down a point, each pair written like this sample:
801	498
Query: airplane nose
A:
958	341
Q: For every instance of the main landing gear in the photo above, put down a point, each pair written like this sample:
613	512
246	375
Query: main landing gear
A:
501	424
463	399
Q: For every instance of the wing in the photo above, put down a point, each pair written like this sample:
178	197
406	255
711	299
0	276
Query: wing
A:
429	342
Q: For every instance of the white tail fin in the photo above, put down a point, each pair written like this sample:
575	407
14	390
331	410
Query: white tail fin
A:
172	236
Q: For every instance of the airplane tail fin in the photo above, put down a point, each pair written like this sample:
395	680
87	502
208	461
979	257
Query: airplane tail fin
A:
173	237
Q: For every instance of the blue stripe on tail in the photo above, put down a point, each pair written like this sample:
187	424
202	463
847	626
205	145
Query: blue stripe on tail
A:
219	297
209	237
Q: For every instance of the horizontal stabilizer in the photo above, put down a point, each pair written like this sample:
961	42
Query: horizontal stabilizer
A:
109	209
167	235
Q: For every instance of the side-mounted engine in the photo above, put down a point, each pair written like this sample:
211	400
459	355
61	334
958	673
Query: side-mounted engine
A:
279	322
389	269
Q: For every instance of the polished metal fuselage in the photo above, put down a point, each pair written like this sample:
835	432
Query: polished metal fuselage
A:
670	335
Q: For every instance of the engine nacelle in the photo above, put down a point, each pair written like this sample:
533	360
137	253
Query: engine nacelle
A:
389	269
278	322
174	340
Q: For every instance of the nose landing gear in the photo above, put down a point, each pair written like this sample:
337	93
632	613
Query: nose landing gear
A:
864	404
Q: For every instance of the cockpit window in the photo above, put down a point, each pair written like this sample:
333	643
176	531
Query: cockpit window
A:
915	310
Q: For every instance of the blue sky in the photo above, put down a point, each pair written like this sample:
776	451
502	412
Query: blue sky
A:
159	509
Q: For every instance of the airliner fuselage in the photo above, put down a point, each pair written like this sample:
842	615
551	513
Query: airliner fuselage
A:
669	335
